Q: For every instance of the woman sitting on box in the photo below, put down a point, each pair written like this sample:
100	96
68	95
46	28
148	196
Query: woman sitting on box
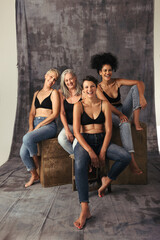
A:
94	117
70	93
109	89
44	110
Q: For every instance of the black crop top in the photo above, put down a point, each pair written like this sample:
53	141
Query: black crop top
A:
86	120
68	107
113	100
46	103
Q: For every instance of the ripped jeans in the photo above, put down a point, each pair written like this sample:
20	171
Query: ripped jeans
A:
130	104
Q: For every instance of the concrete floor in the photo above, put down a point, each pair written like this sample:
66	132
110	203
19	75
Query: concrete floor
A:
129	212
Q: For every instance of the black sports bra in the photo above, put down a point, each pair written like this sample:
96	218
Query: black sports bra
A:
68	107
86	120
113	100
46	103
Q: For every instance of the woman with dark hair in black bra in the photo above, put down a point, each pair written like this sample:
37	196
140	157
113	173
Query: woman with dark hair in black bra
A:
109	89
92	126
44	110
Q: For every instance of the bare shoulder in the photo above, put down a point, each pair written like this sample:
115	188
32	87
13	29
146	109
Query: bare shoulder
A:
55	94
99	87
105	105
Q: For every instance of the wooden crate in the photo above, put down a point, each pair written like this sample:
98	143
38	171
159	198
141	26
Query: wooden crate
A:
55	165
140	147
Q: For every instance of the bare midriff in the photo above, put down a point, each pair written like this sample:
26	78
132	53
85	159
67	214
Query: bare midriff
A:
43	112
93	128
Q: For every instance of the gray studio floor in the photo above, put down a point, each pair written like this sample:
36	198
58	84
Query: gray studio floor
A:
129	212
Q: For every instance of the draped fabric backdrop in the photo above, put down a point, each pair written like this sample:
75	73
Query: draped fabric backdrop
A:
66	33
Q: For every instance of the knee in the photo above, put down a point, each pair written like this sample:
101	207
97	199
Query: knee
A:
27	138
81	159
126	157
125	125
134	88
22	152
61	137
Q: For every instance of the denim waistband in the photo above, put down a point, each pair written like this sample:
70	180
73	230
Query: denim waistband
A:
40	118
94	138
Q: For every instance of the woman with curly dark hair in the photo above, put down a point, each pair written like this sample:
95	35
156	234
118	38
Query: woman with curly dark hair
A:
109	89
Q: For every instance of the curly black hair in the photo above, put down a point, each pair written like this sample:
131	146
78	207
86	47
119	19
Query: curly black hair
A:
90	79
98	60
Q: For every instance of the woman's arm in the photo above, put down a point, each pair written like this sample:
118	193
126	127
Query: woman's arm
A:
56	109
32	113
140	86
108	131
77	112
68	133
101	96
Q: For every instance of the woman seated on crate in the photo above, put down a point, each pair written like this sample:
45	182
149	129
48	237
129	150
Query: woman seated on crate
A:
70	93
109	89
94	117
44	110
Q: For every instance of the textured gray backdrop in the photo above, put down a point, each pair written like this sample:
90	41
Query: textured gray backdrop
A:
66	33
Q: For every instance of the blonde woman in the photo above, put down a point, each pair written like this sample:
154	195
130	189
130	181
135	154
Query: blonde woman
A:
44	110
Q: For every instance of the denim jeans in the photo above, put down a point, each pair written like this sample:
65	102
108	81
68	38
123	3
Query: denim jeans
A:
64	142
30	140
130	104
114	152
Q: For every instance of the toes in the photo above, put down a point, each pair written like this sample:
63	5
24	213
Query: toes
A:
77	224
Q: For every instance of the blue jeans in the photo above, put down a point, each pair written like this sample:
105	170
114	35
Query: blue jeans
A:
30	140
114	152
130	104
63	141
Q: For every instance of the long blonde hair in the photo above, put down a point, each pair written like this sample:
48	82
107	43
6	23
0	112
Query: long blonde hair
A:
64	88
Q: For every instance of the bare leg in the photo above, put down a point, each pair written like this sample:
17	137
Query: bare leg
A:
136	119
34	177
106	181
84	215
36	161
134	167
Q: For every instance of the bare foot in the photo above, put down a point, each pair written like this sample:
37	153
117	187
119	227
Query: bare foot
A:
81	221
105	183
90	169
32	180
136	171
137	126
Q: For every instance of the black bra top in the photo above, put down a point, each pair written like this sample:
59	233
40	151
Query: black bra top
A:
86	120
113	100
68	107
46	103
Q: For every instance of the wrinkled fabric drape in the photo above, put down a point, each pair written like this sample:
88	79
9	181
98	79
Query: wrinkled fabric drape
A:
66	33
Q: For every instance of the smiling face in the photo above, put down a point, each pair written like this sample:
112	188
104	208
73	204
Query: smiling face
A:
70	81
50	78
106	72
89	89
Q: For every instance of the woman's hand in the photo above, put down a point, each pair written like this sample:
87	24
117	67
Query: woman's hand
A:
38	126
94	159
30	129
69	136
143	102
123	118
